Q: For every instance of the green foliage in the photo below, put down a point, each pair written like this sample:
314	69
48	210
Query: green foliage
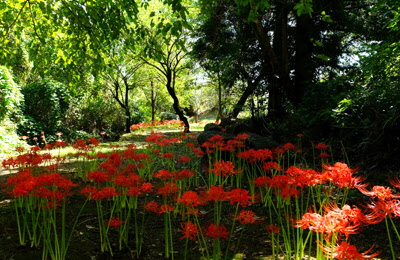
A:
304	7
10	95
10	100
9	139
44	108
95	114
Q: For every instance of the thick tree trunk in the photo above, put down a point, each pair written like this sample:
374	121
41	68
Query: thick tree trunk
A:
304	69
275	61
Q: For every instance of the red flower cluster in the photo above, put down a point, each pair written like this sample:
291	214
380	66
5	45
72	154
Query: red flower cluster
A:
246	217
224	168
52	187
217	232
346	220
345	251
252	155
189	230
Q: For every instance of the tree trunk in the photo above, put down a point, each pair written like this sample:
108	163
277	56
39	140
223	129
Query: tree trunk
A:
251	87
176	106
304	69
153	102
275	61
128	122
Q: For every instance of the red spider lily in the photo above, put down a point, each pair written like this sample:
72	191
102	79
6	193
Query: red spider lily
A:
345	251
189	145
89	190
52	187
216	139
105	193
381	209
224	168
262	181
217	193
380	192
54	180
271	165
154	137
342	176
133	192
168	189
166	208
246	217
60	143
288	191
342	221
9	162
289	146
101	155
94	141
167	155
184	159
242	136
198	152
164	175
22	183
304	177
272	229
115	222
132	179
280	181
189	230
183	174
240	196
190	199
146	187
321	146
208	145
255	155
278	152
235	143
395	182
131	146
35	148
152	206
130	168
324	155
164	142
217	232
97	176
53	197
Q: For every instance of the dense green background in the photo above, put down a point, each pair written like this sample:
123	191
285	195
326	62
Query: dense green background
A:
327	69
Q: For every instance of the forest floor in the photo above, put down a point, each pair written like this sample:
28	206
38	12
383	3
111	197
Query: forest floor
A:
84	244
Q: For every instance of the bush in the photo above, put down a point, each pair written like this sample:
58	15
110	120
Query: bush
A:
45	106
10	95
95	114
10	99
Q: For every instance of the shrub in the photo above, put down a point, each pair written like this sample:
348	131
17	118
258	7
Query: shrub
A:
44	108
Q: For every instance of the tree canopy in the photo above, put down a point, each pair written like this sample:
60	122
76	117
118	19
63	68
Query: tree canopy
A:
311	64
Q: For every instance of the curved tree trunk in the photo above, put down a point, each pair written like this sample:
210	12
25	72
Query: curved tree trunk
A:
178	110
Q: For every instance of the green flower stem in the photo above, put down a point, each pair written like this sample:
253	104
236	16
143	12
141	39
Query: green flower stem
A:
390	239
232	229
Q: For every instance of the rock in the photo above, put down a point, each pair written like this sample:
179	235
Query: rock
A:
212	127
258	142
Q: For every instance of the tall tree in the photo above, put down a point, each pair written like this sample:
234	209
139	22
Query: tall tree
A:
297	40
